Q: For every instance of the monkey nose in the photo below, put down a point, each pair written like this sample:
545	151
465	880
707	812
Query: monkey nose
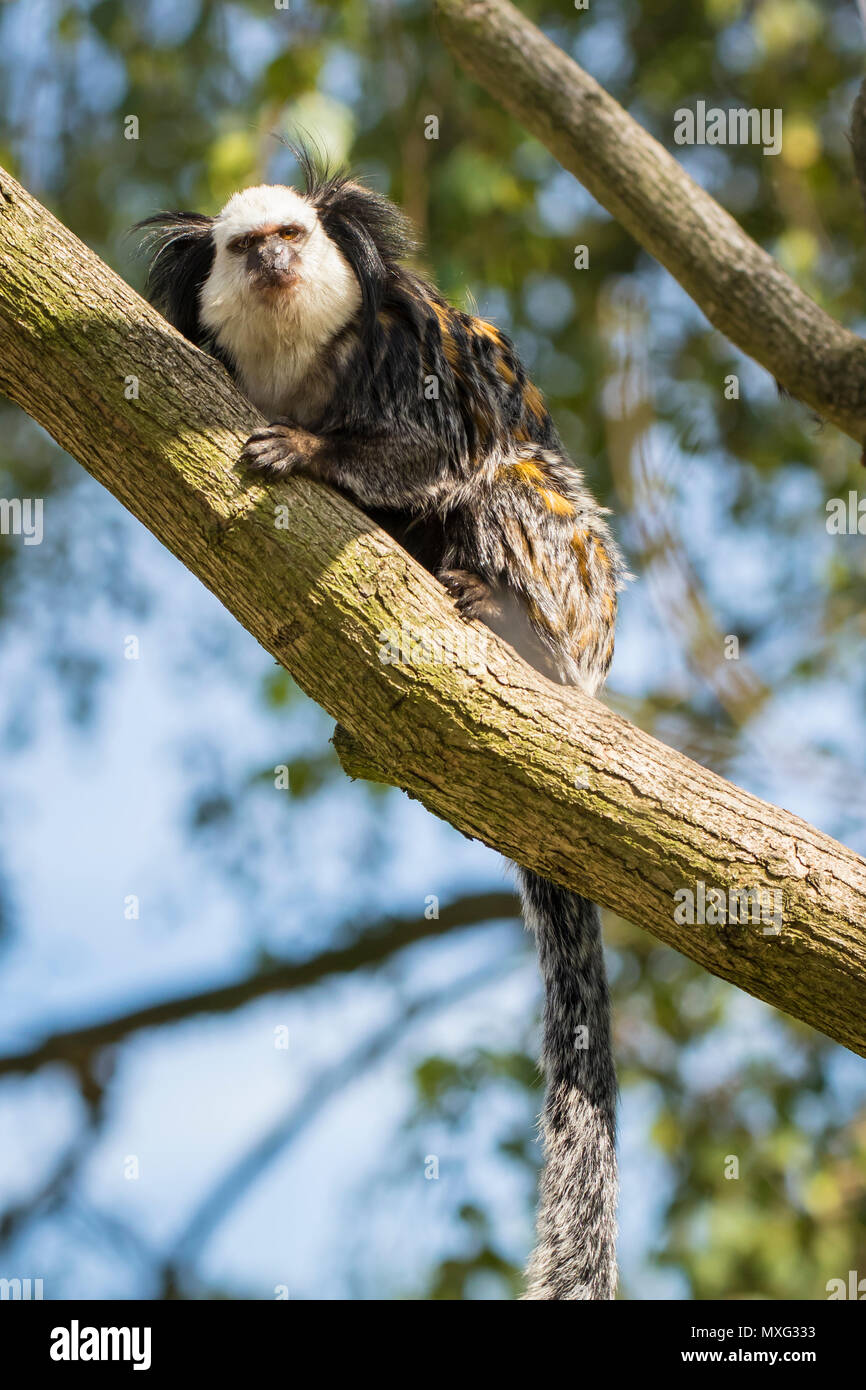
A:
272	266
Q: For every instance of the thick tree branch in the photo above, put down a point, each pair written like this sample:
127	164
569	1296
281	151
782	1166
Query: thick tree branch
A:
552	779
739	287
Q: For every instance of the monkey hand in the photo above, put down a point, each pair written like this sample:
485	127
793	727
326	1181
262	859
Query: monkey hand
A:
279	449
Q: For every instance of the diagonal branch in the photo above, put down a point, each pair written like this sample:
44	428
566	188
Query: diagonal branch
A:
547	776
740	288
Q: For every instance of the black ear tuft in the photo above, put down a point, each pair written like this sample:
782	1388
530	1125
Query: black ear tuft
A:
181	250
370	230
336	194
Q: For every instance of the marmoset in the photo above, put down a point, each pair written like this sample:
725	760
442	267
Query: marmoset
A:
306	299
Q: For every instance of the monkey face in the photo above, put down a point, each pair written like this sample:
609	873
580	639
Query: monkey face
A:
272	255
261	239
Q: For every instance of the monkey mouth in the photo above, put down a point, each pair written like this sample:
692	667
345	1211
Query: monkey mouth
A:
274	280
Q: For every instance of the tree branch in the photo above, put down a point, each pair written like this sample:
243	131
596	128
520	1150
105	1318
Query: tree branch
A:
371	946
550	778
739	287
326	1085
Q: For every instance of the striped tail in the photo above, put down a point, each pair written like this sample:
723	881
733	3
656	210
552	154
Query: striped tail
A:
575	1255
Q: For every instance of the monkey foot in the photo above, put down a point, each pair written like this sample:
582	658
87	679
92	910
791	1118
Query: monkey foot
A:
473	595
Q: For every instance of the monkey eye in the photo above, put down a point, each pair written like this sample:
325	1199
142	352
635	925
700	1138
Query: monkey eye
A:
289	233
241	243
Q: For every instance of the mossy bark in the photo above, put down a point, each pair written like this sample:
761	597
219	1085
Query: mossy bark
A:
552	779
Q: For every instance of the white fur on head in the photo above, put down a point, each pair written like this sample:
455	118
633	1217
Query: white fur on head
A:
275	340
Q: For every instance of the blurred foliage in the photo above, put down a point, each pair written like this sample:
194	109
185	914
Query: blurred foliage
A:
212	84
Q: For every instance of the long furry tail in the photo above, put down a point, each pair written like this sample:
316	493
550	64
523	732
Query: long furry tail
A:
575	1257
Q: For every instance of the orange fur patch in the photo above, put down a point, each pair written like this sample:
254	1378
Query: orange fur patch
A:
449	347
487	330
578	545
534	401
556	502
508	376
529	472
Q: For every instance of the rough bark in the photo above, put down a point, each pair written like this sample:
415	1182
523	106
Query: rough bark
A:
552	779
739	287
